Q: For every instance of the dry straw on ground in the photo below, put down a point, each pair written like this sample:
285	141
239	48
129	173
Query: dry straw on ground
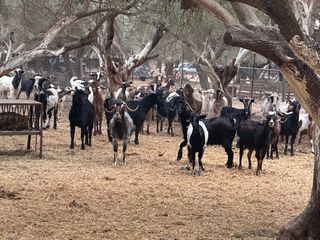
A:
76	194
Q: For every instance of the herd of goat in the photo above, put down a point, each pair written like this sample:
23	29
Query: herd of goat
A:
204	116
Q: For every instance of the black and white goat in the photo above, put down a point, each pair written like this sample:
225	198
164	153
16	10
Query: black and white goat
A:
197	135
254	135
121	127
11	85
221	130
81	115
49	97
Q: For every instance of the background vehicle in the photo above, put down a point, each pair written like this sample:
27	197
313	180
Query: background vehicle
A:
187	68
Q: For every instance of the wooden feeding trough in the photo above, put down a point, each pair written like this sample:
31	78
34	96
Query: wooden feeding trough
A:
21	117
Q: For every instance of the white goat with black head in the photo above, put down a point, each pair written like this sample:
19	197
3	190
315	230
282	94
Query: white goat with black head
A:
11	85
197	136
121	126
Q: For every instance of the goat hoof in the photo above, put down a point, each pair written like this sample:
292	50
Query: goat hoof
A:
83	147
229	166
136	142
71	147
200	173
240	167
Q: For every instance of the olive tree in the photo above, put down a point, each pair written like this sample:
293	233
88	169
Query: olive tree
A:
290	45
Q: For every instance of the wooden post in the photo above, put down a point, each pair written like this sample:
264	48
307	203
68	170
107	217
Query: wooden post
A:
252	80
283	86
181	79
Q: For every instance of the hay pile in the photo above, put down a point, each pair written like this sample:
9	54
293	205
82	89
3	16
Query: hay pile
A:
76	194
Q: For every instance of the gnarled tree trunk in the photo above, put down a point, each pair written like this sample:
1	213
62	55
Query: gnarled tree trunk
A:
298	58
307	224
203	78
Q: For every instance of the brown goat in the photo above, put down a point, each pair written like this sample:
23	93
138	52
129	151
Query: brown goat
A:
194	99
98	107
218	103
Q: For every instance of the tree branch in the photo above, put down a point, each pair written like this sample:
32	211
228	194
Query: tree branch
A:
221	13
281	12
245	13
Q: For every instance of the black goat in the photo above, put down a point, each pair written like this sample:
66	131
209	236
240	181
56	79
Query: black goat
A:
238	114
221	130
197	135
81	115
290	124
138	116
166	111
121	127
254	135
27	87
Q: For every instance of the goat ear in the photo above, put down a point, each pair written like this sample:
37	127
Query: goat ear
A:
202	116
241	99
252	100
32	79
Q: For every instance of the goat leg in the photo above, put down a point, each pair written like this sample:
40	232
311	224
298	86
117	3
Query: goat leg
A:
228	150
158	119
286	145
182	144
115	151
125	142
72	130
136	140
293	138
249	158
82	137
200	154
192	158
55	117
90	134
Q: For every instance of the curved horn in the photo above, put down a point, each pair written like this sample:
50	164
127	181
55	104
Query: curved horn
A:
113	108
189	106
130	109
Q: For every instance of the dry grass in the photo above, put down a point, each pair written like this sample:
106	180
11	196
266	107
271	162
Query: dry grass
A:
75	194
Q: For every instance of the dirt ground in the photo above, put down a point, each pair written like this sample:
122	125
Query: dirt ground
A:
78	194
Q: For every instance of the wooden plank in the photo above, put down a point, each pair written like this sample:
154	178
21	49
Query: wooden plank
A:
9	133
18	102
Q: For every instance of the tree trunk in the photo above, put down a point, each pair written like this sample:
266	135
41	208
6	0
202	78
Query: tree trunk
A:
227	95
69	73
203	78
169	69
307	224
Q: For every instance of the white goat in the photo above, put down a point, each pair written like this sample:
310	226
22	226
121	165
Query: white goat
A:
11	85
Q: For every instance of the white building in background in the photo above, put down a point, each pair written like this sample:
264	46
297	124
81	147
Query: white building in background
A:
317	24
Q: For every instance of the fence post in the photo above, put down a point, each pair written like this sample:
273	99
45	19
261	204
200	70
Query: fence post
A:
181	79
252	80
283	86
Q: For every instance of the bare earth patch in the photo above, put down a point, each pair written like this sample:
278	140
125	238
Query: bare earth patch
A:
76	194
